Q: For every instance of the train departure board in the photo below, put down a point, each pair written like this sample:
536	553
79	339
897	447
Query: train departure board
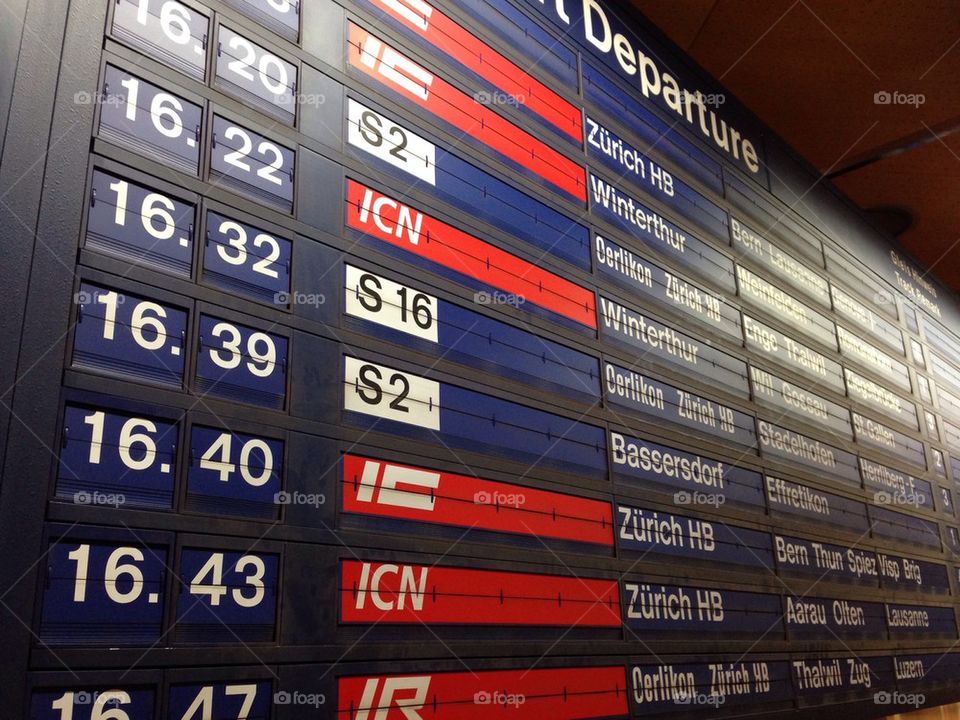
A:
439	360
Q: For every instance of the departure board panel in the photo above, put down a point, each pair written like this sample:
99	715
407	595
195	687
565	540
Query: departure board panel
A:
429	359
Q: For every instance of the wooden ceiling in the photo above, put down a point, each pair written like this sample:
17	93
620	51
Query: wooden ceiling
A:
811	70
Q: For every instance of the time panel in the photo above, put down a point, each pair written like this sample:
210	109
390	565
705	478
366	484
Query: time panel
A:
104	588
151	120
252	164
281	16
117	458
140	224
169	31
255	75
246	259
242	363
129	335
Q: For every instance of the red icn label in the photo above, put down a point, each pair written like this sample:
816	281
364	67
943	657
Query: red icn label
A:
376	487
556	693
372	56
520	87
387	219
374	592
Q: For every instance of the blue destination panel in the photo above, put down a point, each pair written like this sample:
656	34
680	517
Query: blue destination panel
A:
649	128
248	699
879	398
851	271
416	319
864	318
140	224
707	686
243	259
90	704
944	371
653	608
652	282
890	486
897	572
390	400
951	434
661	401
780	442
127	335
115	459
655	341
834	563
773	218
242	363
102	593
659	234
816	678
525	37
790	498
855	347
648	176
786	308
694	477
226	597
932	668
900	526
921	621
875	434
657	532
782	350
233	473
827	619
796	400
949	403
428	167
939	338
751	244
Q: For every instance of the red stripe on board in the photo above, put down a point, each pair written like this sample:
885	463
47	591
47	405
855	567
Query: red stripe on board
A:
554	693
383	217
372	592
387	489
456	42
382	62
